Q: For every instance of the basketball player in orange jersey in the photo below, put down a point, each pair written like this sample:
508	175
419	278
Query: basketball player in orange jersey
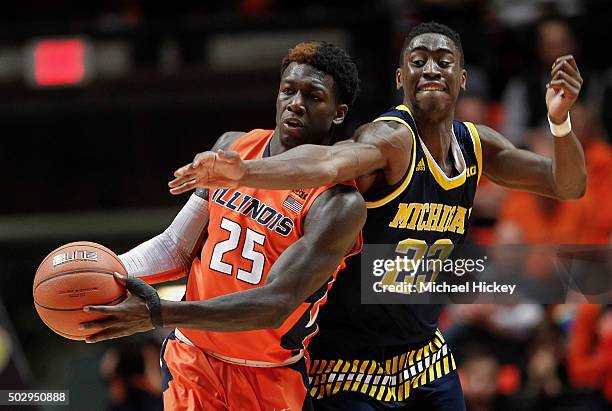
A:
267	263
418	170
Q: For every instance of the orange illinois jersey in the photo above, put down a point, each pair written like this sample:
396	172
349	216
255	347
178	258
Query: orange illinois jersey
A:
248	230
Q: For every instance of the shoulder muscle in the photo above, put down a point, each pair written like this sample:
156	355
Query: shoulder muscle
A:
227	139
336	217
394	141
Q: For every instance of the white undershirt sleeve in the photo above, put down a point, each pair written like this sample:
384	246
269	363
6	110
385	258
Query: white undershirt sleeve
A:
169	255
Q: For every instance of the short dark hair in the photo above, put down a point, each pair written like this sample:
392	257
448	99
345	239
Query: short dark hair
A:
331	60
432	27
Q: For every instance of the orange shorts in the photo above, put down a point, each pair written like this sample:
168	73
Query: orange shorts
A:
194	380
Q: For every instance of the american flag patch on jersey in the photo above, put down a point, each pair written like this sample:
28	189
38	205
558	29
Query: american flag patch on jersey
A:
292	204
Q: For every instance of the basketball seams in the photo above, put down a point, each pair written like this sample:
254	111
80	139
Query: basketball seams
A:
78	309
63	273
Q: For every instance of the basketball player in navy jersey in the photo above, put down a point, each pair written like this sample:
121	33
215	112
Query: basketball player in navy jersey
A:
418	169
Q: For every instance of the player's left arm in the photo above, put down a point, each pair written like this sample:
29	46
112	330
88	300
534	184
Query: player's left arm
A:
331	229
564	175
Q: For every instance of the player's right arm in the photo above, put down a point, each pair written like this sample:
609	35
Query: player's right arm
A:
373	148
331	229
168	256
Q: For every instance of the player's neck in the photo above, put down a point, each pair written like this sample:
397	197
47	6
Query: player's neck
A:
276	147
436	134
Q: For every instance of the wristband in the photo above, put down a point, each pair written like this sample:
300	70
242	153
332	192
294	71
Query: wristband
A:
154	305
145	291
560	130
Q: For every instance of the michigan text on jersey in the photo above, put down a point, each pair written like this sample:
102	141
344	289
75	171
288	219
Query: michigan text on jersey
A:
431	217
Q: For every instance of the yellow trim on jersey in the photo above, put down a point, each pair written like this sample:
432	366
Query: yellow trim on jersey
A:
444	181
402	187
390	118
477	146
404	107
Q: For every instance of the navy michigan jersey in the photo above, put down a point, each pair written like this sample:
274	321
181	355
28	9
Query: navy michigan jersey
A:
426	207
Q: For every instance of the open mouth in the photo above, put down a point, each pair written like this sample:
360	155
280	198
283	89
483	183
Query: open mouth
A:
293	123
432	87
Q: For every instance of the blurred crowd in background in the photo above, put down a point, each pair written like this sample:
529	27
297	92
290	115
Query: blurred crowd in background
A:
166	80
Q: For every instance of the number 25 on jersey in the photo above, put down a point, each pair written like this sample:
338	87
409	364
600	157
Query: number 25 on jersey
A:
248	252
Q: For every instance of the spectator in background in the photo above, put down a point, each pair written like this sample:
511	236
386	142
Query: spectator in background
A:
524	93
538	219
479	375
589	353
503	328
131	371
544	385
598	154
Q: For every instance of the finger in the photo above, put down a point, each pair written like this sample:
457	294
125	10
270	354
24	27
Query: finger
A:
566	57
565	66
178	190
100	324
562	85
182	170
572	62
562	75
120	277
572	81
108	334
102	309
139	287
187	186
182	179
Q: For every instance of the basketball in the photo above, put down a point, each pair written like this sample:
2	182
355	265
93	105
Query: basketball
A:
71	277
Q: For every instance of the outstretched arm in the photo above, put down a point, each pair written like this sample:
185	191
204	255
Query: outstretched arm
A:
330	231
303	166
563	176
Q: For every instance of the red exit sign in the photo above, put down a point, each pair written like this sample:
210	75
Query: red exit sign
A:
59	62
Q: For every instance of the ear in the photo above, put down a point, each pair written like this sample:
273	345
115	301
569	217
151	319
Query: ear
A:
340	114
463	79
398	78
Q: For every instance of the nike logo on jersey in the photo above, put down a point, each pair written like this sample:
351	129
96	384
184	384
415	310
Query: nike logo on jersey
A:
431	217
253	208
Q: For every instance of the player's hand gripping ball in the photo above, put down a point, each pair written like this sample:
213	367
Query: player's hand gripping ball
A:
71	277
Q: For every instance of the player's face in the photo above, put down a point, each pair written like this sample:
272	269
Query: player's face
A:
431	75
306	106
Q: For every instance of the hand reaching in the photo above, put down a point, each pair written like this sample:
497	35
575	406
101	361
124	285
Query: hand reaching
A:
209	169
563	89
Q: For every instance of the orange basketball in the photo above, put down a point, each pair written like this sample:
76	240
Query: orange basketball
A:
71	277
